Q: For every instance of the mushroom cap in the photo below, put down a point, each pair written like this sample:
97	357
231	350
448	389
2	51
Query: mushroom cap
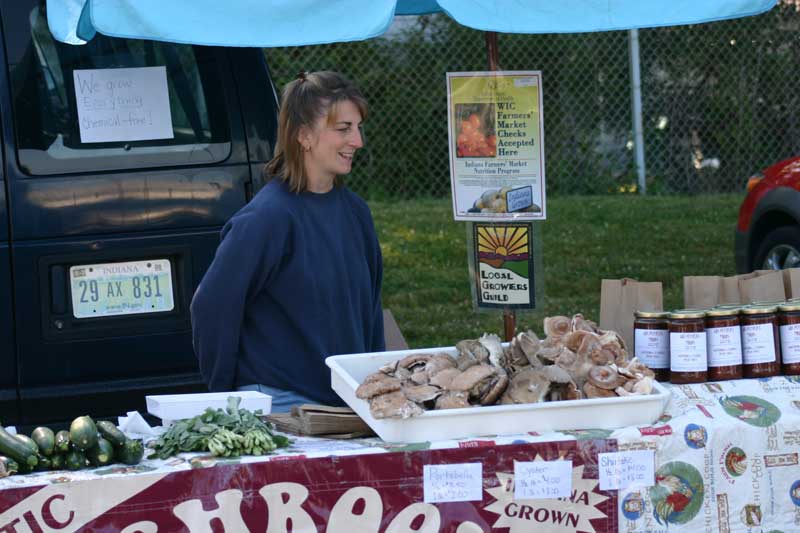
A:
393	405
412	361
495	388
596	392
439	362
377	384
578	323
452	400
421	393
472	376
557	326
528	342
528	386
573	340
443	378
493	346
605	377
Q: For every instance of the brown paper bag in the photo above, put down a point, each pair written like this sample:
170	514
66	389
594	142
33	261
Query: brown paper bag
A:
729	290
620	298
701	292
791	282
766	287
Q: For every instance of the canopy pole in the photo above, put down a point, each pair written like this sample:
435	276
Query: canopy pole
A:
493	58
491	50
636	108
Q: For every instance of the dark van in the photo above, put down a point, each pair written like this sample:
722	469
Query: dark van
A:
122	159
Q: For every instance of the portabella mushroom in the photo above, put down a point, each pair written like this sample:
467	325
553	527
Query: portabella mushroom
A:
528	386
377	384
393	405
470	352
483	383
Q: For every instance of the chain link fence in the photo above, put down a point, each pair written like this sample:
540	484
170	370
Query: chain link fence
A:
720	102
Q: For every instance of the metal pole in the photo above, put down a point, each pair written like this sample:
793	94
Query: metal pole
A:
636	107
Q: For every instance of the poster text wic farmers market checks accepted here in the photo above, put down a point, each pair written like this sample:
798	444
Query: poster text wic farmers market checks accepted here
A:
496	145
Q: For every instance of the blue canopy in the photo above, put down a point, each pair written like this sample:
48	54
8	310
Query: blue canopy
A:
268	23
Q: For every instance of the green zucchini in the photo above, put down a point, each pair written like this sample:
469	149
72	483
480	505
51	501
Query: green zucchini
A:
8	466
75	460
102	454
27	441
14	448
57	461
45	439
131	452
110	432
62	441
83	433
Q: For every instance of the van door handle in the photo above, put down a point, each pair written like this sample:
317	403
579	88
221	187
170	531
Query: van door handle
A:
58	293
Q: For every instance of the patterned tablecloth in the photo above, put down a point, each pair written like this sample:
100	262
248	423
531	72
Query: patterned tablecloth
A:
726	460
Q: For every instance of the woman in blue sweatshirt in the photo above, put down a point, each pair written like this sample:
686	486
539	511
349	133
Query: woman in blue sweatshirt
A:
297	276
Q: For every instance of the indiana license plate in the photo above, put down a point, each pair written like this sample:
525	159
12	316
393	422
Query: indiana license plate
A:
127	288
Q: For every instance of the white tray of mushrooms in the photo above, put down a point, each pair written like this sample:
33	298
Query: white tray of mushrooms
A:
578	377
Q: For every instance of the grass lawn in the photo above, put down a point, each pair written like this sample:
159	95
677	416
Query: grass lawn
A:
585	239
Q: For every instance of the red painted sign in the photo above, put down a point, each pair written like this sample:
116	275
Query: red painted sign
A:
358	493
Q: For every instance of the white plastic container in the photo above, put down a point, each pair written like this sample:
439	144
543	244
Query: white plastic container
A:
348	371
169	407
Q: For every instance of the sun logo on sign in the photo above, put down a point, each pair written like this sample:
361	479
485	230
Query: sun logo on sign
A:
498	244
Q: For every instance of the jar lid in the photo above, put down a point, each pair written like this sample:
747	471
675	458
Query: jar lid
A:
790	306
688	313
724	311
768	302
759	309
651	314
729	306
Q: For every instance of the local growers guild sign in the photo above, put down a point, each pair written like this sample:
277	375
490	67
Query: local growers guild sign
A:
496	145
502	260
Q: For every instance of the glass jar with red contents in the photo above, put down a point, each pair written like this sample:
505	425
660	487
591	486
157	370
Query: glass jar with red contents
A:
789	320
688	360
761	348
724	343
651	341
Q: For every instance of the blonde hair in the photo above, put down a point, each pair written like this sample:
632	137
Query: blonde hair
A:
303	101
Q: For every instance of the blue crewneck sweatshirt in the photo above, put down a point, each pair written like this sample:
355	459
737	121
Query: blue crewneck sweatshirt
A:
296	278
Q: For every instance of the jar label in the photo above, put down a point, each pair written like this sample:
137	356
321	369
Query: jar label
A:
724	346
790	343
651	346
687	352
758	344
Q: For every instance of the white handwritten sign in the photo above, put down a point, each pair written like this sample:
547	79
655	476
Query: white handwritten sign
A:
123	104
620	470
536	480
453	483
517	199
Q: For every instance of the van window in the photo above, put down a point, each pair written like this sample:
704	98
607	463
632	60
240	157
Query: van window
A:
46	114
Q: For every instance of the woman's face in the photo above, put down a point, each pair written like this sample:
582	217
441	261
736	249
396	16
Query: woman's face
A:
330	147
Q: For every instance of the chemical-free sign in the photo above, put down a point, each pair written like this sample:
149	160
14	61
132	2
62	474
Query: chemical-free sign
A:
619	470
453	483
537	480
123	104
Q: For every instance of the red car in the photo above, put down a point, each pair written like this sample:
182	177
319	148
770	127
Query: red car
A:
768	229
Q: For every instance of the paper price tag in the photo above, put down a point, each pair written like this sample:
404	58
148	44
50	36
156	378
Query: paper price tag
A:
537	480
620	470
453	483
